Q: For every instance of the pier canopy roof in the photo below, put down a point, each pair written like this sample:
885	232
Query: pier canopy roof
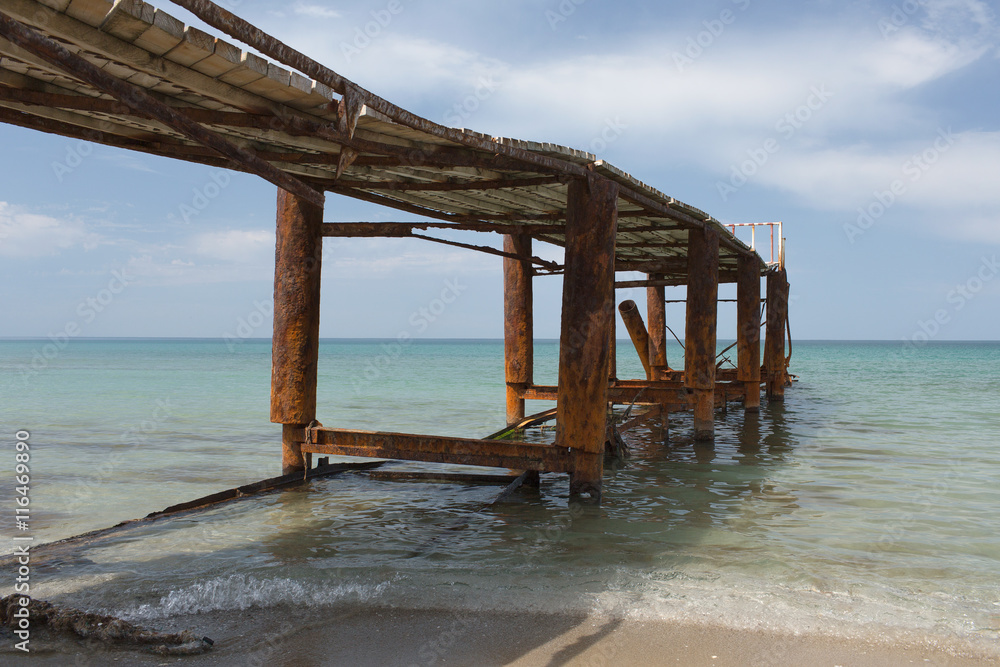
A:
129	75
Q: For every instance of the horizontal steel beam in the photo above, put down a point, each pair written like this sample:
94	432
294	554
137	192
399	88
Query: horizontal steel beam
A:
400	229
438	449
669	394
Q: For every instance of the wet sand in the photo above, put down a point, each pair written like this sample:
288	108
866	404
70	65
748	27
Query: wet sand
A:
380	636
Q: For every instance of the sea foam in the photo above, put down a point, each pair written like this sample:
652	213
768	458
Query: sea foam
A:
239	592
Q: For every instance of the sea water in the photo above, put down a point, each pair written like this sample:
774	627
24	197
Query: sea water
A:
864	505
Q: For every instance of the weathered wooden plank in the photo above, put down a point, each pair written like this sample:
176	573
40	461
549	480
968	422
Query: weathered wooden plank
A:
224	58
165	32
141	56
251	67
195	46
128	19
91	12
54	53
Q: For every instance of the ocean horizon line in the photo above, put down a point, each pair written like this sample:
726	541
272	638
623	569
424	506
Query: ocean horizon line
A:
460	339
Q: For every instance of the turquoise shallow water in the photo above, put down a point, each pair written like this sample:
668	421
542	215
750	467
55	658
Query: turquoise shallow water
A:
865	504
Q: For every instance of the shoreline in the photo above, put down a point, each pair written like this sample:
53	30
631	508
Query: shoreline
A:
369	635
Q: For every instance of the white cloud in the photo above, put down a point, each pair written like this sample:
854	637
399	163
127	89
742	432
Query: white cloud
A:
25	234
743	84
316	11
132	161
944	172
236	245
959	20
403	256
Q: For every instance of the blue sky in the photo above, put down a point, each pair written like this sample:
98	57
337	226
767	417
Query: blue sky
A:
870	128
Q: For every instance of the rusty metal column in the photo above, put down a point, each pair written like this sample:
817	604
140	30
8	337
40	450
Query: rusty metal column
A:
518	330
700	328
295	346
748	330
774	342
613	347
587	316
656	314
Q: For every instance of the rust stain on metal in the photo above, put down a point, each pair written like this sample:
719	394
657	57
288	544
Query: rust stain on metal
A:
295	345
656	312
748	330
587	315
774	340
518	323
700	328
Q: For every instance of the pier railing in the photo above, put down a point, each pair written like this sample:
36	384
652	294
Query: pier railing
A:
777	260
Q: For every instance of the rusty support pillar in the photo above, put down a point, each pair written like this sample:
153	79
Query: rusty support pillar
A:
656	314
587	316
613	349
637	332
700	329
295	346
774	342
518	324
748	330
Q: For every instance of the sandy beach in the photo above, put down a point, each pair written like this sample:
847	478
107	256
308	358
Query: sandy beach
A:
382	636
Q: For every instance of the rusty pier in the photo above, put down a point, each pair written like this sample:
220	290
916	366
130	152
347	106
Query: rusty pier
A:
129	75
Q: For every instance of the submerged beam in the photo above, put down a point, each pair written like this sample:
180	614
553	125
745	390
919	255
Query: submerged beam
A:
518	324
700	329
587	318
295	344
